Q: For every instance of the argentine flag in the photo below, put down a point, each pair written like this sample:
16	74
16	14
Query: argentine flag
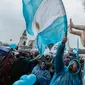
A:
46	20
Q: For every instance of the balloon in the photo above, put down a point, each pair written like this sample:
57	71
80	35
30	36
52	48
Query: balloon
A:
12	45
24	77
31	79
19	82
26	80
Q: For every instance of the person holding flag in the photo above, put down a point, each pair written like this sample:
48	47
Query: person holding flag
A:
65	75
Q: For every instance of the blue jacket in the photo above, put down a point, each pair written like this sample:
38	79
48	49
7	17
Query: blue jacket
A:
61	75
43	76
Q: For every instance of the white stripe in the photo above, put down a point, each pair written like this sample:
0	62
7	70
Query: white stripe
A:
48	11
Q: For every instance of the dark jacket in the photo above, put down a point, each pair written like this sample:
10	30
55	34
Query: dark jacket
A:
19	68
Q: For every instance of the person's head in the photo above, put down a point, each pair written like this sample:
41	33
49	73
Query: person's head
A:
28	54
48	58
50	45
68	57
35	53
74	66
42	62
42	65
72	55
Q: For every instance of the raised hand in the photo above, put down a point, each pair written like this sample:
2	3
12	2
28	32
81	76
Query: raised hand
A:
64	40
71	25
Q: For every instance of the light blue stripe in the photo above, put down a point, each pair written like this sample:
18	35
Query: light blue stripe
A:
53	34
29	10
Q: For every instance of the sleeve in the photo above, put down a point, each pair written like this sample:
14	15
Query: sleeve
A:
58	60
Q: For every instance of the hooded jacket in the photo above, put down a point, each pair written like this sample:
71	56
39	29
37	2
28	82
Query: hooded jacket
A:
62	76
43	76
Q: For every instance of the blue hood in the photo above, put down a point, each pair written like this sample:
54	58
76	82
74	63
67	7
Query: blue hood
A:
79	66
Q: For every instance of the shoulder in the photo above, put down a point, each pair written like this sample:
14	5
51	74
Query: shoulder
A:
36	68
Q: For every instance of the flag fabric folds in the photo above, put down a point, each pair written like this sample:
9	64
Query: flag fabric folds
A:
29	10
52	34
45	19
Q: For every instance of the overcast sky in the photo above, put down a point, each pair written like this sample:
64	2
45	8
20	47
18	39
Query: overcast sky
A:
12	23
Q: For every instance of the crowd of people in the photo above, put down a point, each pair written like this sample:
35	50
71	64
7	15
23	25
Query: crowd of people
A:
61	69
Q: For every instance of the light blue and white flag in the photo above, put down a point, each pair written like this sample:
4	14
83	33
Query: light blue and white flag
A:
45	19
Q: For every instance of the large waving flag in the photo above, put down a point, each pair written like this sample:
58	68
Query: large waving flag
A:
46	19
